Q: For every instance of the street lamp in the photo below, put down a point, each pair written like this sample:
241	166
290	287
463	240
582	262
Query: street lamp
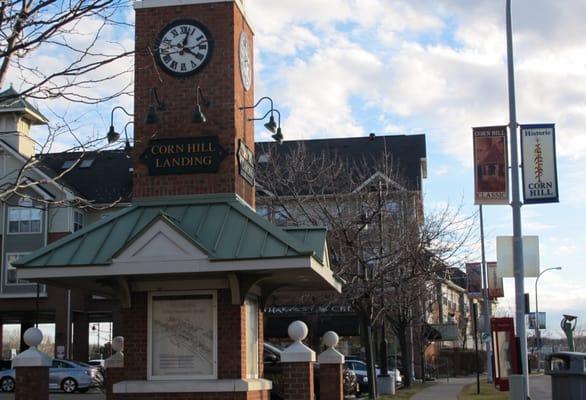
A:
537	338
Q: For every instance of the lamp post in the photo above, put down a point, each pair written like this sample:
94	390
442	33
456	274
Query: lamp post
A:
537	334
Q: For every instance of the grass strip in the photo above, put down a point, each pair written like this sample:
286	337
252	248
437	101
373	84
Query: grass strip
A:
487	392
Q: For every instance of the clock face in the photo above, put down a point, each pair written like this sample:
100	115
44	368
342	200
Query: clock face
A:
183	47
245	61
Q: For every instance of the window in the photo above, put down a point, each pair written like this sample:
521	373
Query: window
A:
78	221
24	218
11	271
182	335
251	306
67	164
263	211
86	163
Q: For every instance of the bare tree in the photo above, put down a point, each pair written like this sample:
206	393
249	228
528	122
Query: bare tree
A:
388	255
63	49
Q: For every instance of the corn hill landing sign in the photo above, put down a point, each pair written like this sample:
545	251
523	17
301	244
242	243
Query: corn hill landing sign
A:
183	155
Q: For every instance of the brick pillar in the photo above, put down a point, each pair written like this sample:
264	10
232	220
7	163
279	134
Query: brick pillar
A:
32	369
32	383
81	328
298	360
114	366
331	361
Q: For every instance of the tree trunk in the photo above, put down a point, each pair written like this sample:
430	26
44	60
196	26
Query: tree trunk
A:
405	358
367	341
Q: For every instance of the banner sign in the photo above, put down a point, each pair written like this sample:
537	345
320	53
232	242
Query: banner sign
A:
540	181
495	283
474	273
245	162
541	320
491	175
183	155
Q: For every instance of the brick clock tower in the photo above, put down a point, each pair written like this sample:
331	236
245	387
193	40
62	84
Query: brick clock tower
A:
193	73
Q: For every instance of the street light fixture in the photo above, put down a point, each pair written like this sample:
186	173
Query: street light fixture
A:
537	338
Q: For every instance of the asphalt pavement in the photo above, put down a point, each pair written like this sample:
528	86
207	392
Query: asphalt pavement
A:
539	387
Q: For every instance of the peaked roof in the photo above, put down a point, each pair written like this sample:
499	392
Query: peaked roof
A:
12	101
102	177
406	151
221	225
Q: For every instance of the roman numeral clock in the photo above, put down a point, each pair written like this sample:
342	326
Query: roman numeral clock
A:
183	47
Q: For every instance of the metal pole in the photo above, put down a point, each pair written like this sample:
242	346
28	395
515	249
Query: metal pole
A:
68	330
487	310
537	332
519	272
475	316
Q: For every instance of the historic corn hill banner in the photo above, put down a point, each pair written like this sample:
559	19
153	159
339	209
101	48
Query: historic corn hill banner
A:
540	182
491	176
474	274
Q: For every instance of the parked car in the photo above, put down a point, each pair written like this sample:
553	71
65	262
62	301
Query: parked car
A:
359	367
5	364
66	375
273	370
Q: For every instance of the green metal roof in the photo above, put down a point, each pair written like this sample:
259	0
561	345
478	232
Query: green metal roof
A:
12	101
221	226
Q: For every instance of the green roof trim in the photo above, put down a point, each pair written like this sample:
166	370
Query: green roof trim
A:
222	226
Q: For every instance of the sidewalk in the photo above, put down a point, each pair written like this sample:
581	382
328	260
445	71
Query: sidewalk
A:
444	389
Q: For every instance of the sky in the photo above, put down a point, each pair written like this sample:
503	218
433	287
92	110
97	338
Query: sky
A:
341	68
438	67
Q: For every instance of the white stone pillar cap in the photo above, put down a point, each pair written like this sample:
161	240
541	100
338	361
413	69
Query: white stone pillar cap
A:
297	351
116	360
331	355
32	357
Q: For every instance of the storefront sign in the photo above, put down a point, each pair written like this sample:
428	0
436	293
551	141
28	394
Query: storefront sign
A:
183	155
540	182
307	308
245	162
474	274
491	177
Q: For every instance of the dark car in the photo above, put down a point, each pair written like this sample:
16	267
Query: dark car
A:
273	370
359	367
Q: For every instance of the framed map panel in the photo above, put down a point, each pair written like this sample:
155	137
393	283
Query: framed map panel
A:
182	335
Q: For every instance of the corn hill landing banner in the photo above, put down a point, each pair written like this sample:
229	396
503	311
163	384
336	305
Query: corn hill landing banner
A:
540	181
491	176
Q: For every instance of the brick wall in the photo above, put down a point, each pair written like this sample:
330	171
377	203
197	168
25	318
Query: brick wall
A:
32	383
298	381
231	350
221	83
331	382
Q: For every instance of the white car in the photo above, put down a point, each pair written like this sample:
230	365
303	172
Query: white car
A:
66	375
